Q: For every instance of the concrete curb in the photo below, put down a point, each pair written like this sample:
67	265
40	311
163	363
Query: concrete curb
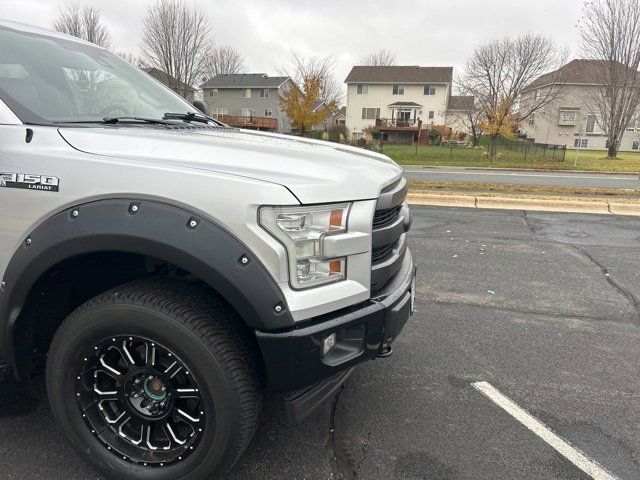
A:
515	169
565	204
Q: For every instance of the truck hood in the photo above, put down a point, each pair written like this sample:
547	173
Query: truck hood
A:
314	171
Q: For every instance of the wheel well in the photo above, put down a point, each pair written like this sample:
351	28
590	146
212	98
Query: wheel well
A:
69	284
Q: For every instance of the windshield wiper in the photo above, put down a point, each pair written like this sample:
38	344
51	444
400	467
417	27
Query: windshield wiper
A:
189	117
156	121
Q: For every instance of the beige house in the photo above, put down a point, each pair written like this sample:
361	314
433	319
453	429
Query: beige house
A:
401	102
569	120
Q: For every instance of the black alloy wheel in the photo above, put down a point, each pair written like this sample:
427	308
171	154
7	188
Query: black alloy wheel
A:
141	400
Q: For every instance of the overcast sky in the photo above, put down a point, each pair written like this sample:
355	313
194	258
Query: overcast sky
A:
420	32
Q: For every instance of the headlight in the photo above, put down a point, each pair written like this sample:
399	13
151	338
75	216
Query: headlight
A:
302	231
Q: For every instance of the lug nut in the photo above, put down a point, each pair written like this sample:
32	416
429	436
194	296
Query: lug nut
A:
75	213
278	308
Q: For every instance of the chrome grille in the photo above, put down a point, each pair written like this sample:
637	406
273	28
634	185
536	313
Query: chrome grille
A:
391	221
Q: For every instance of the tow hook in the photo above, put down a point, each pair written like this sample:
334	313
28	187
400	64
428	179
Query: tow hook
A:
386	352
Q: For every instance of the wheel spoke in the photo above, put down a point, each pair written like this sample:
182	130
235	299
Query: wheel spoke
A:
127	355
117	373
185	415
173	435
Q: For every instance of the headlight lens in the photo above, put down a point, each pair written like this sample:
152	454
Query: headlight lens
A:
302	230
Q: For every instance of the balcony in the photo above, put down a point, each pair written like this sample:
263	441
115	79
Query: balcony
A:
394	124
256	123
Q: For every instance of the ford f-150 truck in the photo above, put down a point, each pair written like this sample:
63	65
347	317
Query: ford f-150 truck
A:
165	271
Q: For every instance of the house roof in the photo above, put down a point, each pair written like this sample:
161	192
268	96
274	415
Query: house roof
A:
317	104
576	72
244	80
164	77
341	112
405	104
460	102
400	74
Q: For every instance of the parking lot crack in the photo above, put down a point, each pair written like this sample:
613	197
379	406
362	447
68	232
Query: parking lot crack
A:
611	281
342	465
529	225
522	311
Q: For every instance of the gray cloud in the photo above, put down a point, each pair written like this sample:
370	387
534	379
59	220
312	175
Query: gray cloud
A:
266	31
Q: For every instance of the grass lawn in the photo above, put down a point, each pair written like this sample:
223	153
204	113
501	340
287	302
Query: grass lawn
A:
589	160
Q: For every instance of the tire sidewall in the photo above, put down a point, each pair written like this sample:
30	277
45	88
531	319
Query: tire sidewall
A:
84	329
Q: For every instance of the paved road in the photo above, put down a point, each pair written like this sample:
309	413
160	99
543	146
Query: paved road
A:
558	179
543	306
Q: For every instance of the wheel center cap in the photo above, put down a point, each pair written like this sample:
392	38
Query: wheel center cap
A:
155	389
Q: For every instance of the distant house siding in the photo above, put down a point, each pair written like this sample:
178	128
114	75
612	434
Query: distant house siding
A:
546	126
381	96
232	100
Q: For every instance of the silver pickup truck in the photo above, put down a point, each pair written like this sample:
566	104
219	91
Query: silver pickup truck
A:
166	271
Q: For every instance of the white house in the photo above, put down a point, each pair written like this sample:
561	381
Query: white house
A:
402	102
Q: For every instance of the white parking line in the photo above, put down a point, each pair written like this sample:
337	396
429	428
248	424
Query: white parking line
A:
572	454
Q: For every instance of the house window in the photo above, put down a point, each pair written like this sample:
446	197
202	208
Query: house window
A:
264	93
213	93
246	93
268	112
532	119
370	113
217	112
431	114
568	117
398	89
636	145
362	89
634	124
593	125
247	112
429	90
580	143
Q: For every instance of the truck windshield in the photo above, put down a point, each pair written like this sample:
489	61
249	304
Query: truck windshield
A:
45	79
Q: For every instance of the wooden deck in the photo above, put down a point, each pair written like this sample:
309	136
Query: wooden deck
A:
258	123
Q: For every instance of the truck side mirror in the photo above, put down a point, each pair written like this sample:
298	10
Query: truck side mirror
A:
199	104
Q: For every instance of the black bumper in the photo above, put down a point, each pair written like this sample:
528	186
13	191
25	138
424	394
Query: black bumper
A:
293	358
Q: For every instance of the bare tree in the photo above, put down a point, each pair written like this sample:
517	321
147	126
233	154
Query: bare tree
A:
224	60
381	58
610	31
83	22
497	74
134	60
176	38
473	119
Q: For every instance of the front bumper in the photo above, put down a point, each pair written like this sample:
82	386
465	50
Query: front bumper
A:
293	359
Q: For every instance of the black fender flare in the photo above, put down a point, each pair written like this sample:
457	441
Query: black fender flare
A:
152	228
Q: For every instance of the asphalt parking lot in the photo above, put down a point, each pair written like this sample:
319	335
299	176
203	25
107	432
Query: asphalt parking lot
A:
545	307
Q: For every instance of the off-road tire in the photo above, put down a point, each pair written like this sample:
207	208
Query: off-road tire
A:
204	332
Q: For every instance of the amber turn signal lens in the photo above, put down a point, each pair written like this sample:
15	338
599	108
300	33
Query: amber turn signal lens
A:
335	219
335	266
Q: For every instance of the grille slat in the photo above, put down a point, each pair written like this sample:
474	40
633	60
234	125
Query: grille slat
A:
390	222
385	217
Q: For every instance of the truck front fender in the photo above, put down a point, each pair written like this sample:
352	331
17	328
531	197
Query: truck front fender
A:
166	232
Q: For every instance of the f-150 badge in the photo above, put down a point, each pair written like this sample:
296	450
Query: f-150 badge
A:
29	182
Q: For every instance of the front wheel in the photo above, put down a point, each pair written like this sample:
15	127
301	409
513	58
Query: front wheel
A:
155	379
